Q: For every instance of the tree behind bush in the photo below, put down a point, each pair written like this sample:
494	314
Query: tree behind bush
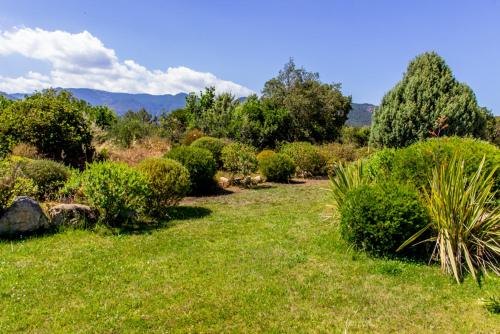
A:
427	102
214	145
54	121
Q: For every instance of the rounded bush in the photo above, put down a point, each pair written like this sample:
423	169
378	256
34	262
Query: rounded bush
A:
414	163
118	191
378	218
49	176
239	159
168	182
214	145
264	154
200	164
192	135
306	157
277	167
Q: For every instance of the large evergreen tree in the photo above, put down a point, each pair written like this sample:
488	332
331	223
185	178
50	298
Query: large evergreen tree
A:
428	101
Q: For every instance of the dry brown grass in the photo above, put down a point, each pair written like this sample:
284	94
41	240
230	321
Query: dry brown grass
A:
152	147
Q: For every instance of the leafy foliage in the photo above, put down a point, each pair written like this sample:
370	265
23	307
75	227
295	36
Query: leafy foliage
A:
200	164
118	191
276	167
306	157
379	217
414	164
347	178
355	136
14	183
316	110
54	121
465	219
49	176
427	102
133	127
214	145
239	159
168	182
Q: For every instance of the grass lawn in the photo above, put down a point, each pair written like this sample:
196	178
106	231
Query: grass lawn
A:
259	260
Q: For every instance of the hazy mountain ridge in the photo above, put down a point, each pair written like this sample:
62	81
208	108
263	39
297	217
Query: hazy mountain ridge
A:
360	114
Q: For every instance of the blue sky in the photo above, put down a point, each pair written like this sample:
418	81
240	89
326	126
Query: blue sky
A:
238	45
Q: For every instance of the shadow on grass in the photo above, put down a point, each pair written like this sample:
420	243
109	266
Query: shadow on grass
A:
172	214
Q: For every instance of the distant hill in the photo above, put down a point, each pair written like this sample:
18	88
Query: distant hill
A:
122	102
360	114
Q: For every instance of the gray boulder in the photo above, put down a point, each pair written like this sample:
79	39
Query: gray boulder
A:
75	215
23	216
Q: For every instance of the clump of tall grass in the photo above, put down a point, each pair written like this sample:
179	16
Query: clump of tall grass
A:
465	220
345	178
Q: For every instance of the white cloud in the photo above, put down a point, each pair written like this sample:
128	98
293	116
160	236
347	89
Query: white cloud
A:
82	61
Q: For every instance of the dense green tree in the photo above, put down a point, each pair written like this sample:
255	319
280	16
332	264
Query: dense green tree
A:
216	119
317	111
102	116
427	102
53	121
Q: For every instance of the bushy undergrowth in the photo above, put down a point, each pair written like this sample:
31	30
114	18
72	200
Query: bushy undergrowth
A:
239	159
307	158
168	182
14	183
276	167
380	217
49	176
414	163
118	191
336	153
214	145
200	164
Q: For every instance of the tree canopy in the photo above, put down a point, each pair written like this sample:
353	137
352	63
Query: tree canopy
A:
427	102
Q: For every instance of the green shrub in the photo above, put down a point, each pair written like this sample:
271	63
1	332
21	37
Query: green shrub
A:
118	191
378	218
54	122
306	157
49	176
355	136
191	135
200	164
214	145
465	220
264	154
13	183
277	167
239	159
414	163
168	182
347	178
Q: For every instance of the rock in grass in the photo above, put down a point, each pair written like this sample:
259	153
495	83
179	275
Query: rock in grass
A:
74	215
23	216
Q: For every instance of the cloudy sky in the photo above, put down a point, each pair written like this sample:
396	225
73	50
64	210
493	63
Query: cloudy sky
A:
164	47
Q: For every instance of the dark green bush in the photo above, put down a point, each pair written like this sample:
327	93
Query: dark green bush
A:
200	164
118	191
239	159
168	182
49	176
277	167
378	218
307	158
414	163
54	122
214	145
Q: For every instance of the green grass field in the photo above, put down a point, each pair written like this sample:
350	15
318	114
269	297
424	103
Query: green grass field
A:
263	260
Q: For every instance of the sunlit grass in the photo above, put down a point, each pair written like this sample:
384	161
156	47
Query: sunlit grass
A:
259	260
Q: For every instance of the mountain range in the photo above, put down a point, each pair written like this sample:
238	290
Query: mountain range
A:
360	114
